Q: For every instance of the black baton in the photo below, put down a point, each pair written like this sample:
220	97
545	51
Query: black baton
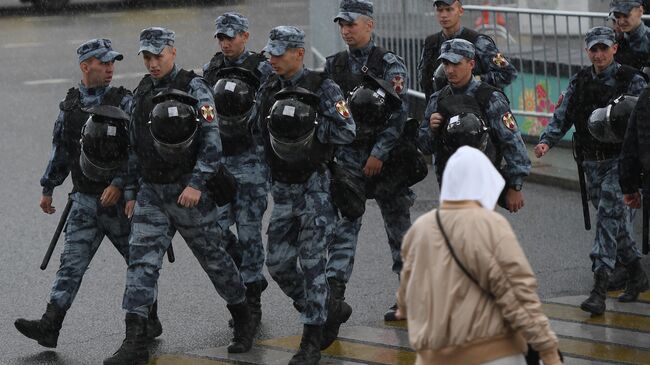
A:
170	253
57	234
577	156
645	245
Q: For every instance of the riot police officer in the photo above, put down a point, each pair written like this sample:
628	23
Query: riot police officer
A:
634	37
366	156
97	206
591	88
491	65
302	116
235	74
176	150
464	94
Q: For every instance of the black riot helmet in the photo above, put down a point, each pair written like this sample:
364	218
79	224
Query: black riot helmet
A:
439	78
371	104
292	123
608	124
174	125
234	98
104	142
465	129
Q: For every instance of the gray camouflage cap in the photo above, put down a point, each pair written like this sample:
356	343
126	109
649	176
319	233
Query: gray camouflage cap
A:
350	10
446	2
101	49
454	50
230	24
155	39
600	35
283	37
624	6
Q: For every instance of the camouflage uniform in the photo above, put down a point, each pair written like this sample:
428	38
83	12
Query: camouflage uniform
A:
501	123
303	216
157	214
250	171
492	67
633	47
394	209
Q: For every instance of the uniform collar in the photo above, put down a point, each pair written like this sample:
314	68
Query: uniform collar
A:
636	33
242	57
470	87
453	36
91	91
293	81
167	79
363	51
607	73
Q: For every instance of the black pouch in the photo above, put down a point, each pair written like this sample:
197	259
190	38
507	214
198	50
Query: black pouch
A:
348	193
222	186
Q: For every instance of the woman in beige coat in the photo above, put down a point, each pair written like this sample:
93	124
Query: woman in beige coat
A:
451	320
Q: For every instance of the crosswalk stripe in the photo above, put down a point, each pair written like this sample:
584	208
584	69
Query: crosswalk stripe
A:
396	324
379	336
605	351
183	360
351	350
612	319
261	355
643	297
638	308
576	361
601	334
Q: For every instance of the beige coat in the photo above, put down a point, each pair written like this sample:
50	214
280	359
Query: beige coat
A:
450	319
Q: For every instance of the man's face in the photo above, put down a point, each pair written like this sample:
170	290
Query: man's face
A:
631	21
97	73
289	63
159	65
449	15
233	47
458	74
357	33
601	55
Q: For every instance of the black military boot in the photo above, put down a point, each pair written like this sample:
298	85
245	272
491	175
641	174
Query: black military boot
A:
595	304
618	279
338	312
44	330
254	299
309	352
154	327
637	282
242	328
134	347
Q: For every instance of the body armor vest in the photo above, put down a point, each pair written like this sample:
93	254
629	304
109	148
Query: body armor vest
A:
431	52
152	167
591	94
450	104
73	121
626	56
293	173
234	146
343	76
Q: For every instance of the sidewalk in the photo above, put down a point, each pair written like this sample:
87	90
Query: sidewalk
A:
557	168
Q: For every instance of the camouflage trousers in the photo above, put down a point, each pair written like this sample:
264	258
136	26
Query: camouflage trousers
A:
88	222
155	219
614	231
246	213
301	223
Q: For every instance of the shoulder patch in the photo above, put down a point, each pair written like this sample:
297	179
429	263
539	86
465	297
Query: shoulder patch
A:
342	109
509	121
499	60
398	83
207	111
390	57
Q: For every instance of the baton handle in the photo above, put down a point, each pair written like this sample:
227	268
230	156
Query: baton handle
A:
57	234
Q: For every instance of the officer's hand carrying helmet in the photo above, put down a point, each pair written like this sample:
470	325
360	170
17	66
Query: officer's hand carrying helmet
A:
608	124
439	78
292	123
465	129
372	103
174	125
234	97
104	142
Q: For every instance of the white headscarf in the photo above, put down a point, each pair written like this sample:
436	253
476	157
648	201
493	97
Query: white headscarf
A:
469	175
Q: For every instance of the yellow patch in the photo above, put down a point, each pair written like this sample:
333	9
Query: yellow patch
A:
207	111
509	121
342	109
499	60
